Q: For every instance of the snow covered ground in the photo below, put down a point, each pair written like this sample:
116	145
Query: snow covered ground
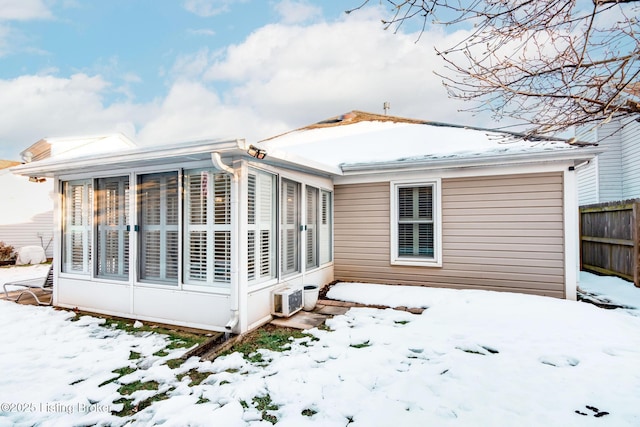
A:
472	358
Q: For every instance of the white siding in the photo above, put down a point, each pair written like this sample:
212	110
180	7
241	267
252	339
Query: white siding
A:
588	183
610	180
26	217
630	137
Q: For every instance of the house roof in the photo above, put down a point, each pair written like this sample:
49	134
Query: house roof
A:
349	143
129	157
66	147
7	164
360	139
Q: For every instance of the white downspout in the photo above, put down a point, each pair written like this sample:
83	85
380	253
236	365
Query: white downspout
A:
235	267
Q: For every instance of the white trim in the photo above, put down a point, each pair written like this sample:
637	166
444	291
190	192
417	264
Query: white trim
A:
436	261
418	175
571	234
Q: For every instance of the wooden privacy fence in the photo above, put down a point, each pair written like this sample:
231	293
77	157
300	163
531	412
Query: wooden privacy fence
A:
610	239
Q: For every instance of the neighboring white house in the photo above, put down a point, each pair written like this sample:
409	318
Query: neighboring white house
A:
26	217
613	175
202	233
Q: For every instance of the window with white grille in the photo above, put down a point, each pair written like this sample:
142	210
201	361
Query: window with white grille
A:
289	227
207	228
261	225
415	225
76	227
158	219
112	227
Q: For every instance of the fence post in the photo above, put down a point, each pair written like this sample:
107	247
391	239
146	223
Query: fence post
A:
635	225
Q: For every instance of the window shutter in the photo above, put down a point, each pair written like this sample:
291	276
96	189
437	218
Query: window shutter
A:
415	221
159	218
207	246
312	227
112	219
78	204
325	237
290	226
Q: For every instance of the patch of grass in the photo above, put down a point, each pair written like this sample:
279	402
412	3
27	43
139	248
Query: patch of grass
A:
129	409
121	372
223	382
128	389
309	412
264	405
161	353
134	355
361	345
174	363
268	338
177	339
202	400
401	322
196	376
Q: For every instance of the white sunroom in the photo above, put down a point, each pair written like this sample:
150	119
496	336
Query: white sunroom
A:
196	234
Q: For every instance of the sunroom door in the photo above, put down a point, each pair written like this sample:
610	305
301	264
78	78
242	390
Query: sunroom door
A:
112	227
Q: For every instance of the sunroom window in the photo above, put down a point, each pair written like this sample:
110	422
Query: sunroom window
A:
112	227
312	228
290	226
158	220
415	227
76	227
326	227
261	225
207	236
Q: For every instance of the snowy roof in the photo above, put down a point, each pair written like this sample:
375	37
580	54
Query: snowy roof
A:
67	147
359	138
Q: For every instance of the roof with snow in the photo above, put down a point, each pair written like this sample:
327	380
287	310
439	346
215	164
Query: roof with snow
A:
361	138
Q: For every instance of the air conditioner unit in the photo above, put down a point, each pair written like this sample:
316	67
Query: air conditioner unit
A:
286	301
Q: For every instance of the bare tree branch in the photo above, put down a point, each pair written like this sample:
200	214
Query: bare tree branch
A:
552	64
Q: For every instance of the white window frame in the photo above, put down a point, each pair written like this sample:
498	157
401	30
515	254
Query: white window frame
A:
436	260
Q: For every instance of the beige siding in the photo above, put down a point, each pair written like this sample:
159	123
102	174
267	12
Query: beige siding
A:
498	233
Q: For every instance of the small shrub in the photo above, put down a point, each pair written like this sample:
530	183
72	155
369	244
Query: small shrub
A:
6	252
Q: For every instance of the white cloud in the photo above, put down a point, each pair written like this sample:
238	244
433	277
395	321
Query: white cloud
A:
294	12
23	10
209	7
202	32
308	73
39	106
191	111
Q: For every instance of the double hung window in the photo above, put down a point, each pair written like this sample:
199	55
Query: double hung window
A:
415	226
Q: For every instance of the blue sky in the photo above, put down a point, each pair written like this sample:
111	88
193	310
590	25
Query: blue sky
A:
177	70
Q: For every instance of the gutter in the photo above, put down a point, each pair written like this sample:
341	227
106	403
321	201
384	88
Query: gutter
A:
234	298
427	163
125	158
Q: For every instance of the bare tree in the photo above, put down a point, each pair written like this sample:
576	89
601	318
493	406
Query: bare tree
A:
549	64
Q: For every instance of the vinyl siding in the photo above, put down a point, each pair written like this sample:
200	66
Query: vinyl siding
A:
499	233
630	137
610	181
588	183
37	231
